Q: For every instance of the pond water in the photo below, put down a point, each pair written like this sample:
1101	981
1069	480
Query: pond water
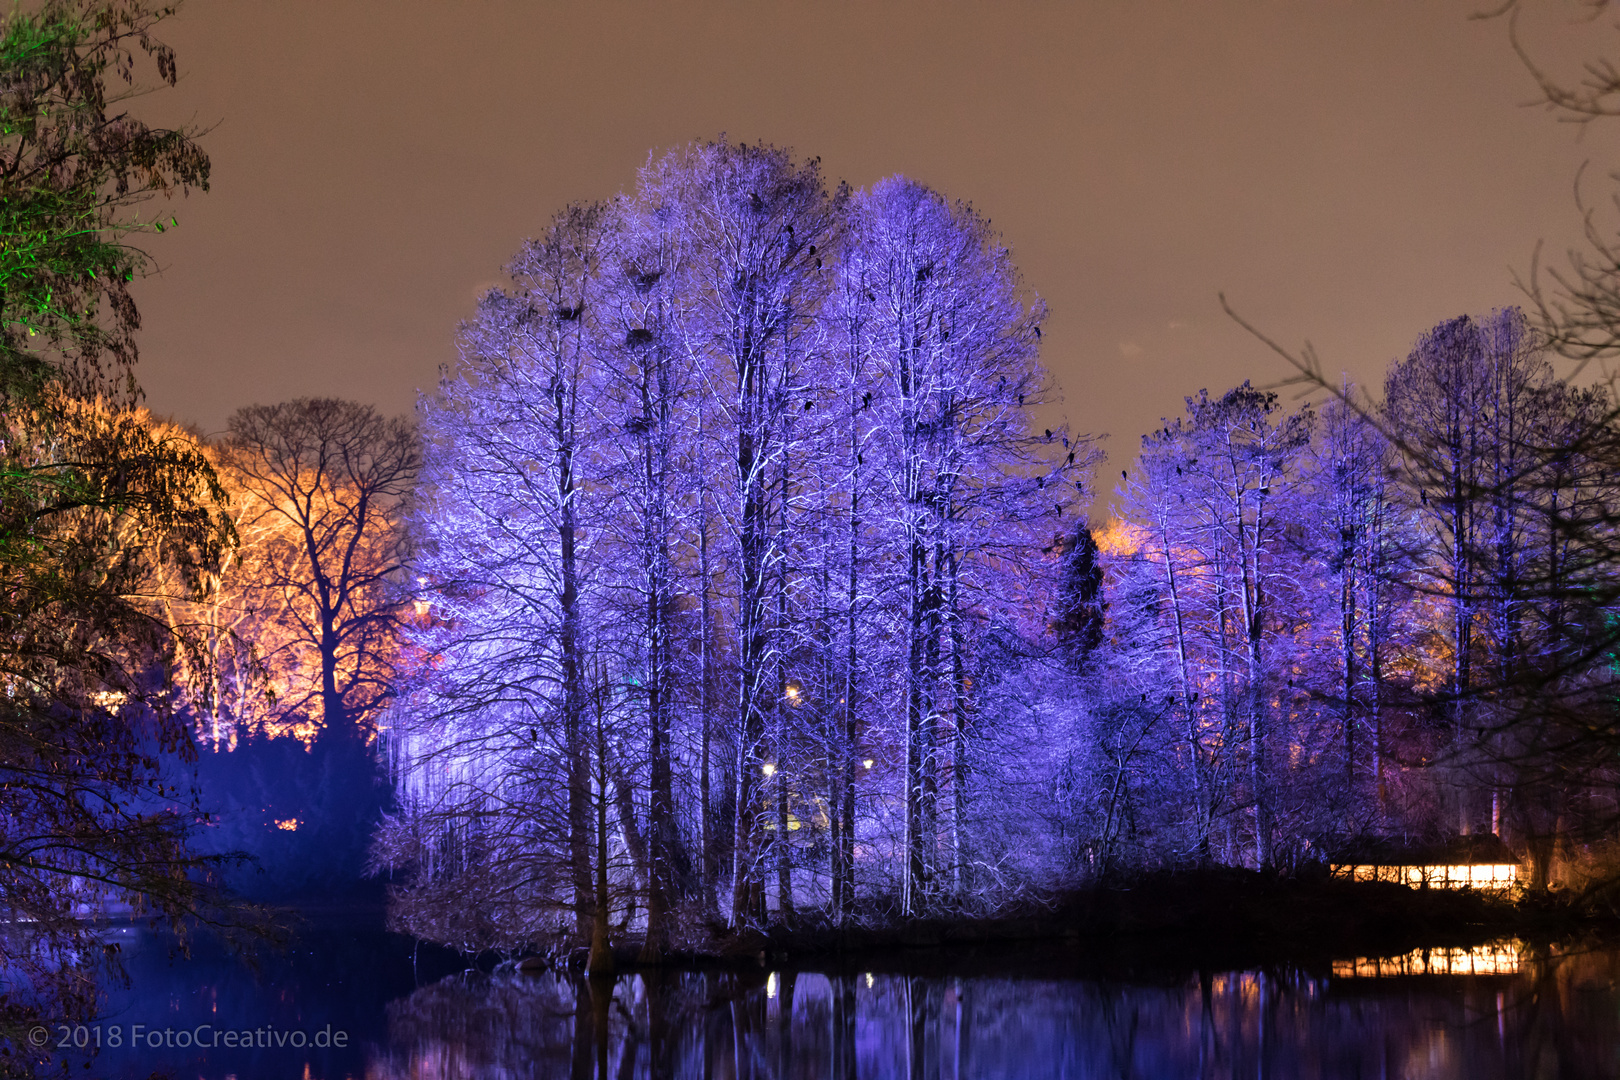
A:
1504	1010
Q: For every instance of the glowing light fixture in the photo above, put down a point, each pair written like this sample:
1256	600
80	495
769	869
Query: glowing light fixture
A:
768	769
287	824
867	763
770	985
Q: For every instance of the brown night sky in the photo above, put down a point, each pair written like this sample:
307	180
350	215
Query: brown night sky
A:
1347	173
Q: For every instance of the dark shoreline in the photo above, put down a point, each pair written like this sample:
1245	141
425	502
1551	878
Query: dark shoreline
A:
1208	920
1153	926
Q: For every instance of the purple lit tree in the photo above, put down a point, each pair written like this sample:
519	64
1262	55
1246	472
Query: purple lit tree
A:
1209	503
650	386
757	222
932	305
1355	538
1503	462
491	745
728	494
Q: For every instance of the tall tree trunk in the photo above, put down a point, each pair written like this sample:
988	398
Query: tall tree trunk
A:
782	843
574	741
753	631
961	717
844	794
706	697
932	660
332	711
917	709
600	961
1347	649
1375	605
1252	595
1462	631
1202	811
663	839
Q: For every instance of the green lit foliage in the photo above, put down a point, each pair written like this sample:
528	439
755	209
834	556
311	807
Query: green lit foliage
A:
76	174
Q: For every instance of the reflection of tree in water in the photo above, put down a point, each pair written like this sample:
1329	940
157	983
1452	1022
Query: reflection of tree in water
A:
1557	1017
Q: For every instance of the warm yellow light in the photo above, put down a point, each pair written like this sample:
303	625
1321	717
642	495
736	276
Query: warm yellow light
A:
1462	875
867	763
1499	958
770	985
793	693
768	769
109	699
869	980
287	824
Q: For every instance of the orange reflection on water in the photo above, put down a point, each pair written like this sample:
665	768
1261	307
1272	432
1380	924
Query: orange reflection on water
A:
1498	958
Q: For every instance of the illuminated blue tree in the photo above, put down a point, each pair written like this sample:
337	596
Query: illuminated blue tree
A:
960	499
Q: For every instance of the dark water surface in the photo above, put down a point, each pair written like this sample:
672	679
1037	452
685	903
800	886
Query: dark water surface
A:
1501	1011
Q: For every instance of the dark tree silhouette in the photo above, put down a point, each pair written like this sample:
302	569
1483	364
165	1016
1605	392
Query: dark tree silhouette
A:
1081	611
332	477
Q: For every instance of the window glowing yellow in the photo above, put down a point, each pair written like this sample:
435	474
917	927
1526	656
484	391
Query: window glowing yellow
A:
1459	876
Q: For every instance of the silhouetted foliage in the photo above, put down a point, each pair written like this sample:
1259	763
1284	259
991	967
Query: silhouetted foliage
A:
1081	606
304	812
326	480
96	505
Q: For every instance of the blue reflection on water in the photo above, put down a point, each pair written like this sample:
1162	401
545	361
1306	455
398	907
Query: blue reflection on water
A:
336	975
1518	1012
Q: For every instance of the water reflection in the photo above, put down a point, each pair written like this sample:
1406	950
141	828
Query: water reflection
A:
1498	958
1440	1013
1490	1012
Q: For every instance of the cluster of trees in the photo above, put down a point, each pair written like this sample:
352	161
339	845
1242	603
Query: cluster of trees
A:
729	576
744	585
156	593
727	517
1374	620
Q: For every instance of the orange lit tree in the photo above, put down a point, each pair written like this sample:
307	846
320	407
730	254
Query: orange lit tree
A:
319	487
